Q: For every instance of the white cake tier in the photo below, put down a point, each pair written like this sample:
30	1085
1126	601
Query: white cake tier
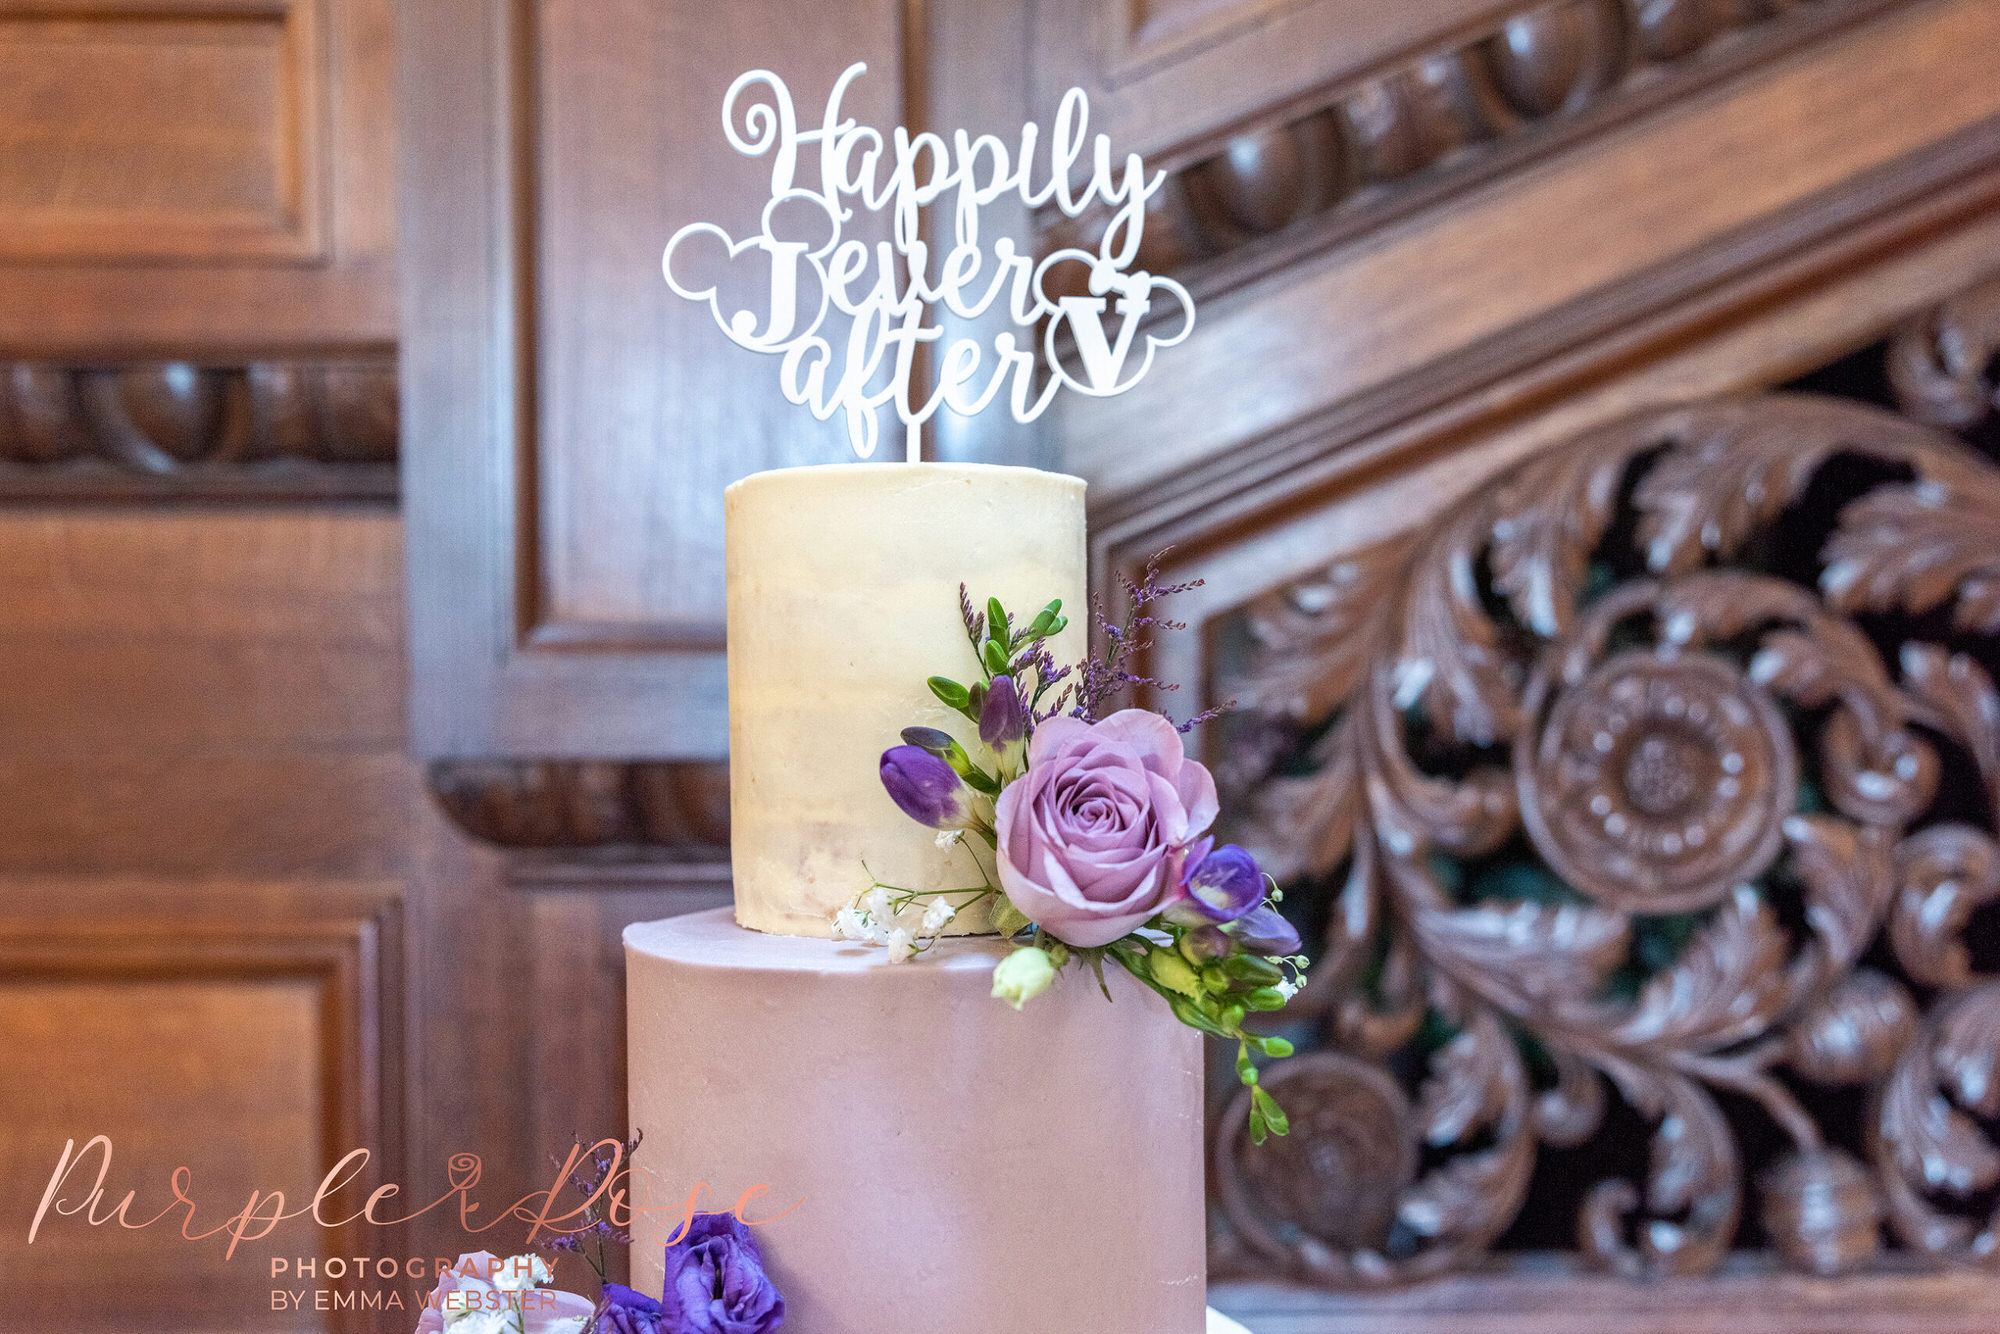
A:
955	1165
843	602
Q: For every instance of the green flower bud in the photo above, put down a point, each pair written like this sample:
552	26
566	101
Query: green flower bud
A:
1023	975
1253	968
1171	971
950	693
1273	1046
996	620
995	655
1265	998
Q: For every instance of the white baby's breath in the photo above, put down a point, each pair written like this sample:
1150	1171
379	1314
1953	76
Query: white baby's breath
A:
877	904
849	924
901	944
937	916
948	839
1288	988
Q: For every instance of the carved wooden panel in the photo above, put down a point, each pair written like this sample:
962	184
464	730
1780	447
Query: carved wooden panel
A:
225	162
1646	797
255	1050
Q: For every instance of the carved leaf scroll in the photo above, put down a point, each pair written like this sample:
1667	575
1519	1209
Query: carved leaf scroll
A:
1643	812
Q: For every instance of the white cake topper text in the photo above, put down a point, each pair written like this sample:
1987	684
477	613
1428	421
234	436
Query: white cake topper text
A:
819	281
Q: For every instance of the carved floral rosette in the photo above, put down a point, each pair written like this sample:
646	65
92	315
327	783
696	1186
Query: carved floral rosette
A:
1604	668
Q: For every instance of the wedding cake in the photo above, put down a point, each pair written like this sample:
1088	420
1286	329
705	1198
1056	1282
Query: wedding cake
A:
916	1157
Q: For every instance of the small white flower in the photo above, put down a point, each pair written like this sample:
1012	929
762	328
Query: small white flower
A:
937	915
850	924
902	945
947	839
1288	988
519	1273
878	905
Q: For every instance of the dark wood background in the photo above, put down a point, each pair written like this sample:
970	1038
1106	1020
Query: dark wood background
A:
361	640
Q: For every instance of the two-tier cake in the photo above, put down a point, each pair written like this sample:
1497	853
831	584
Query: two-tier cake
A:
931	1161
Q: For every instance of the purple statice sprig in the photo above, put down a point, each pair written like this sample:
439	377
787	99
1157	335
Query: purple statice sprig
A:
588	1181
1108	677
1016	654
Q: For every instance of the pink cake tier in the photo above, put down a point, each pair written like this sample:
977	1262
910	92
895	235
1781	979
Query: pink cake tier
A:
955	1165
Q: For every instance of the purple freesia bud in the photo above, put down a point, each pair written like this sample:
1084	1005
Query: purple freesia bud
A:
1263	931
927	789
1003	722
1205	943
1219	886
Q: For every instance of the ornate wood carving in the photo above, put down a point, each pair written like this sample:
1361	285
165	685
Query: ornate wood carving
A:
638	821
1450	118
1667	769
259	431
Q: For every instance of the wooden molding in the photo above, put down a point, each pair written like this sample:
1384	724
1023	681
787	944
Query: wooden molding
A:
1356	156
178	430
635	824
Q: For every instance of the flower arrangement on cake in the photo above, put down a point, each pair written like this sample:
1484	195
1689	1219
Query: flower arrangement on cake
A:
1096	828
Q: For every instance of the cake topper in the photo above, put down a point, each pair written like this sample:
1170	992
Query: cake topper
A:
847	317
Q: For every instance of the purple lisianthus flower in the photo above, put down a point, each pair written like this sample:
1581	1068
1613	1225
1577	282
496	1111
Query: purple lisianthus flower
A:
927	789
716	1282
1220	885
1263	931
624	1310
1091	837
1003	722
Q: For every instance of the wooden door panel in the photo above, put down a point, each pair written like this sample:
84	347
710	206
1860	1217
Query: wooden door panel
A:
645	411
196	176
246	1032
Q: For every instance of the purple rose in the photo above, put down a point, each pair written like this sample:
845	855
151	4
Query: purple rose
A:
927	789
716	1282
1092	836
1222	885
624	1310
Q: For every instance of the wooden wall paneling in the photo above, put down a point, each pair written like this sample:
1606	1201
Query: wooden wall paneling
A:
249	1032
565	512
1401	136
196	177
1741	179
212	839
1165	74
1368	492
